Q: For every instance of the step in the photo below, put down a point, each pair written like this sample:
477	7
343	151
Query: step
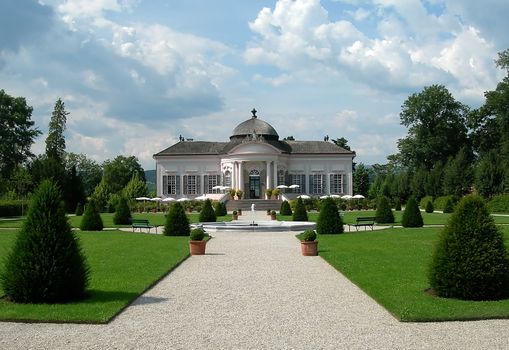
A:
260	204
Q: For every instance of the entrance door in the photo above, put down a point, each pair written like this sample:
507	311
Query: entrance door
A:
254	186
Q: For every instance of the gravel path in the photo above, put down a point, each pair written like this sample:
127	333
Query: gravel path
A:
255	291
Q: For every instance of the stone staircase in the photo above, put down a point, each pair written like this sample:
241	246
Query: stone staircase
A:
260	204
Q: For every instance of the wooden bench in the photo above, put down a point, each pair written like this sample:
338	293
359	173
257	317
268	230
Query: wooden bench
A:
142	223
363	221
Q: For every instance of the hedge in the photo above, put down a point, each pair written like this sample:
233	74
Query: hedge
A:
499	204
11	208
424	201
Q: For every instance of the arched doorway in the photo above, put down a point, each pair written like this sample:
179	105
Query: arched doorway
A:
254	184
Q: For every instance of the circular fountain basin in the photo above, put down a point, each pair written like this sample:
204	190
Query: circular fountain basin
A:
257	226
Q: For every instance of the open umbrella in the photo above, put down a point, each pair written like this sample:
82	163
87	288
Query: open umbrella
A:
293	186
168	199
155	199
142	198
218	187
281	186
347	196
323	197
183	199
304	196
358	196
335	196
201	198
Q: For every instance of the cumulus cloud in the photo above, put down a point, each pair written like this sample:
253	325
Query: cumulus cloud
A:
414	45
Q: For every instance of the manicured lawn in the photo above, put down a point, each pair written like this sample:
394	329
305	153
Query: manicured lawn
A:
428	218
153	218
391	266
123	265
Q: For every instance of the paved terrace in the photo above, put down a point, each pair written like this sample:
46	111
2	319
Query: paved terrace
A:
255	291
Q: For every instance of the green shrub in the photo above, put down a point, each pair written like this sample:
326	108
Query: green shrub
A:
79	209
440	202
177	223
470	260
207	214
384	213
285	208
197	234
499	204
220	209
308	236
397	204
429	207
46	264
10	208
273	212
300	213
449	206
122	213
91	220
424	201
329	221
412	215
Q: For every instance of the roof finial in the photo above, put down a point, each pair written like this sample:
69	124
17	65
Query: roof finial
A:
254	113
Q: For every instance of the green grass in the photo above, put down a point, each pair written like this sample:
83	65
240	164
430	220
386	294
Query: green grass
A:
428	218
153	218
123	265
391	266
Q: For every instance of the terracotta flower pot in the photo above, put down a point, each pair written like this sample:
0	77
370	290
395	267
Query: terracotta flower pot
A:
197	247
309	248
273	217
235	216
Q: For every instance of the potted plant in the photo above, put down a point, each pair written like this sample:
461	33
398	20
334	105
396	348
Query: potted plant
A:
197	242
232	193
268	192
235	215
268	211
309	244
239	211
276	193
273	215
239	194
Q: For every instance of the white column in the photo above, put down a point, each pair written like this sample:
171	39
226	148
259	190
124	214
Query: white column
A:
267	181
234	175
182	184
203	183
327	183
241	177
274	180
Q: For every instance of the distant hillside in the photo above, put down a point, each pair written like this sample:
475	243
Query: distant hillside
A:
150	177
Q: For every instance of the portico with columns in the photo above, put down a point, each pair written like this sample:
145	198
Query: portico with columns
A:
253	161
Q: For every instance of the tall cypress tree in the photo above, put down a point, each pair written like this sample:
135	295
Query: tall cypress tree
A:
55	142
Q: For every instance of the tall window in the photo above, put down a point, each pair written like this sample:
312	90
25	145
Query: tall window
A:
191	184
336	183
228	179
316	183
211	181
298	179
281	177
171	185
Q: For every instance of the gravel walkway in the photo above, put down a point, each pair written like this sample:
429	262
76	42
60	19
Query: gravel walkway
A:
255	291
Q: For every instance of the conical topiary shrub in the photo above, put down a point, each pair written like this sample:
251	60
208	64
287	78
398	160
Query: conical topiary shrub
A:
285	208
300	213
46	264
220	209
384	213
79	210
470	260
449	206
177	223
329	221
91	218
429	207
122	213
412	215
207	214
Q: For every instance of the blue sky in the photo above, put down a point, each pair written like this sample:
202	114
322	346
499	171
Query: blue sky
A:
136	74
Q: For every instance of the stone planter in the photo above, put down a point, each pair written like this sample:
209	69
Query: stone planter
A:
235	216
309	248
273	217
197	247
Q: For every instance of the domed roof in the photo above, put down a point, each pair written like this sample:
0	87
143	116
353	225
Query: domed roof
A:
255	126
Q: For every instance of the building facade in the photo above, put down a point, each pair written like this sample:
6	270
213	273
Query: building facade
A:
253	161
